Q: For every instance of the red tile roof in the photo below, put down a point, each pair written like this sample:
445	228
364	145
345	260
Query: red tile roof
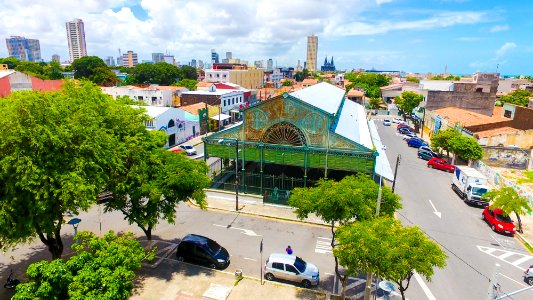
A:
467	118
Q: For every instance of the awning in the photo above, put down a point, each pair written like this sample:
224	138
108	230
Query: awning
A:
383	167
220	117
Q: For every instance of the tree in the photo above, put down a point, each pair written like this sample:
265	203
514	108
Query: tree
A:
189	72
518	97
53	71
465	147
301	75
58	150
86	66
508	200
102	76
287	83
442	140
370	79
160	73
413	79
103	268
11	62
154	181
352	198
190	84
408	101
374	103
384	247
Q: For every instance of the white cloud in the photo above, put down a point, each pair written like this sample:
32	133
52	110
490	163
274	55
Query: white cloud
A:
504	48
499	28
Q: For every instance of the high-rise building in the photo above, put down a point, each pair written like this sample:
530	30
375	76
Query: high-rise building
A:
119	61
169	59
229	55
270	65
214	57
258	64
312	49
23	48
201	64
129	59
76	39
193	63
157	57
56	58
110	61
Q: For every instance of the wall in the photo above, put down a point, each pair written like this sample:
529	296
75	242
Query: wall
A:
46	85
5	88
505	157
188	99
523	117
20	82
522	139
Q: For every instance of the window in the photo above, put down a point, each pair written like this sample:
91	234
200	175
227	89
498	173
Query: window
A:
224	102
291	269
210	75
479	90
278	266
507	113
171	124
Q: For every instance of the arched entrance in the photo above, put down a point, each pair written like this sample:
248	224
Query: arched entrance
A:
284	133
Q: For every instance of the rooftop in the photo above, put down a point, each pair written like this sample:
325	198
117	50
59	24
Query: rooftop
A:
436	85
324	96
467	118
497	131
310	81
193	108
4	73
218	92
352	124
153	111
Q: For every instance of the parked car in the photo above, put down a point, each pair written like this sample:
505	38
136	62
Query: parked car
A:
408	136
528	275
426	155
177	150
404	126
291	268
405	130
188	149
498	221
416	142
397	120
440	164
387	122
204	251
427	148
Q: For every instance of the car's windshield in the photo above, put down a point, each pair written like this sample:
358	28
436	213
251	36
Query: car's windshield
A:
187	147
479	191
502	218
300	264
213	246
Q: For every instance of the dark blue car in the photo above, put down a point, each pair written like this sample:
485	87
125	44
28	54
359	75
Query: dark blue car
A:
416	143
404	130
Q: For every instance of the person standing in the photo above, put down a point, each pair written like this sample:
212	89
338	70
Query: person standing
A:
288	250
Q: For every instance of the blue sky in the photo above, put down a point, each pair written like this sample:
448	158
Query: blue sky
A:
413	36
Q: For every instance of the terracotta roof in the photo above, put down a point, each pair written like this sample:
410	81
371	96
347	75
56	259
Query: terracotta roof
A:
171	88
497	131
467	118
193	108
310	81
355	93
204	84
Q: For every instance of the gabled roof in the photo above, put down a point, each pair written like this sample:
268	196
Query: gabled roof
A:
153	111
352	124
497	131
324	96
193	108
310	81
468	118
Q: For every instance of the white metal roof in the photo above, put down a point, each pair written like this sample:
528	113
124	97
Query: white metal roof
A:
382	166
352	124
322	95
153	111
436	85
4	73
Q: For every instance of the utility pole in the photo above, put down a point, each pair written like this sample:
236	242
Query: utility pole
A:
398	159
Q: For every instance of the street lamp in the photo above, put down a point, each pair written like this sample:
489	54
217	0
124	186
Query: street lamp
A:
74	222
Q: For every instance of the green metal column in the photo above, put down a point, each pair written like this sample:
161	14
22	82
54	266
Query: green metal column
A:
261	156
243	139
306	153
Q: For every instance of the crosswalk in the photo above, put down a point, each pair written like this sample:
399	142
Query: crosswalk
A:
513	258
323	245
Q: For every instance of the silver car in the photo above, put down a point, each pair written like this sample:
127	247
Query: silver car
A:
291	268
188	149
528	275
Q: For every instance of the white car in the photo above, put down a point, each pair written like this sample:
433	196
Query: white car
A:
386	122
397	120
188	149
291	268
408	136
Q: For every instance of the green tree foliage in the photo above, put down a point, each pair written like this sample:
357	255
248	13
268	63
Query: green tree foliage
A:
413	79
449	77
370	82
51	71
374	103
11	62
104	268
189	72
301	75
160	73
154	181
104	77
86	66
408	101
518	97
287	83
384	247
190	84
442	140
354	197
508	200
58	150
465	147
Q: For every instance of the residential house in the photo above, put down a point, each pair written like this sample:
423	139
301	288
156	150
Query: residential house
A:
11	81
307	82
153	95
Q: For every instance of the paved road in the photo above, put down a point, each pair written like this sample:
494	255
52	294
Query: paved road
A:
473	249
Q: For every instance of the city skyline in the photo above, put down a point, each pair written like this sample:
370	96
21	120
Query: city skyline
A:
407	35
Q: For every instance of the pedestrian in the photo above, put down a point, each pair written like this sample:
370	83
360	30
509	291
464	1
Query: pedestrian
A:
288	250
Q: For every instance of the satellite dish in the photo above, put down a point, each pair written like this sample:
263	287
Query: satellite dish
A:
387	286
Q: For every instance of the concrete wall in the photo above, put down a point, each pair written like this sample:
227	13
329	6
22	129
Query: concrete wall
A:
46	85
522	139
20	82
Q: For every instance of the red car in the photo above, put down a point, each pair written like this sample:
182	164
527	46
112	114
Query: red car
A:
404	125
498	221
440	164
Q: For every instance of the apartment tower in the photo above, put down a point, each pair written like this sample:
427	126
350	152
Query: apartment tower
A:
312	49
76	39
24	49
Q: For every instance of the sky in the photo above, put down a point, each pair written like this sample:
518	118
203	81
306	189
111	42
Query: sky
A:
413	36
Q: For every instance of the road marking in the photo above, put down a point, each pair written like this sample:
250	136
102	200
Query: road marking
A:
247	232
250	259
520	283
497	241
323	246
325	273
503	254
424	287
438	213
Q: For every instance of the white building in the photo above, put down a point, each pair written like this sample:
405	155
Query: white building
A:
76	39
179	125
152	95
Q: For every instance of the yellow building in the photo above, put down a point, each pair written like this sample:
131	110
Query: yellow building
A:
249	79
3	67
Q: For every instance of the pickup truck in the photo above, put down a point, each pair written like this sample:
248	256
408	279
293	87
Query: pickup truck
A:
470	185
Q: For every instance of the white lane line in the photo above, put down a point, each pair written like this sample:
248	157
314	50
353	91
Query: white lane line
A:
505	255
424	287
250	259
497	241
244	231
520	283
438	213
324	238
521	260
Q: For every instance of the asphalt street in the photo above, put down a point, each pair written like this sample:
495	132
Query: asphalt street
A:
473	249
